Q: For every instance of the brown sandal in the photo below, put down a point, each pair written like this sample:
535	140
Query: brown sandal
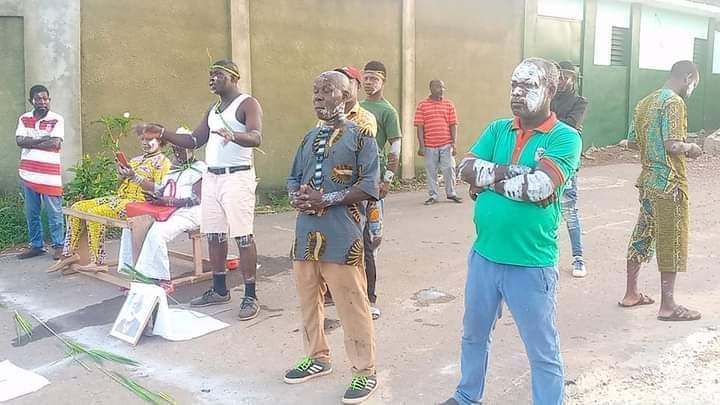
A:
680	313
644	300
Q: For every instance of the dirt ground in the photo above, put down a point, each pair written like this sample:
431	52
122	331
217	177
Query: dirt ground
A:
612	355
609	155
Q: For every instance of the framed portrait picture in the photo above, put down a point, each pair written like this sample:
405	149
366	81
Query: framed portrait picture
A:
134	315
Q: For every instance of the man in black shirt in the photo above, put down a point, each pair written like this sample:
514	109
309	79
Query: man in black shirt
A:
570	108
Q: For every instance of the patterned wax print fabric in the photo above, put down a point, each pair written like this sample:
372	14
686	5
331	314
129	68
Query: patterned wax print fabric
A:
660	117
334	160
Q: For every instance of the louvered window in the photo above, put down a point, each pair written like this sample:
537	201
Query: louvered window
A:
700	52
620	46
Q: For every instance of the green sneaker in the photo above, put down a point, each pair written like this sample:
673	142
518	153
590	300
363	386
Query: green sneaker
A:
361	387
210	297
306	369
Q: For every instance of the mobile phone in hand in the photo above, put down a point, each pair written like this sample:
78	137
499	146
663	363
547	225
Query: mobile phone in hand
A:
122	159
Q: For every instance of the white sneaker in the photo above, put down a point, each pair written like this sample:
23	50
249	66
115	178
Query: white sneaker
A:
578	267
374	311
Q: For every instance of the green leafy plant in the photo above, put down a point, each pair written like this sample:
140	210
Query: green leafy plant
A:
280	201
116	128
95	176
12	220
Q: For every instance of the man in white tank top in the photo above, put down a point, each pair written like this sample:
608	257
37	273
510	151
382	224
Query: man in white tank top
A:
230	129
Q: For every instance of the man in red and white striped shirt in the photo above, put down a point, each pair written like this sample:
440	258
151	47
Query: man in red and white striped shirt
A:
40	133
436	122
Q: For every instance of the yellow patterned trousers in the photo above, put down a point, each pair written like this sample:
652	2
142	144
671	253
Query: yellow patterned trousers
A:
111	207
662	227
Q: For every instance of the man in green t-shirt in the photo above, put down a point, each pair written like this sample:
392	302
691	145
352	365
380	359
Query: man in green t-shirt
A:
388	132
516	170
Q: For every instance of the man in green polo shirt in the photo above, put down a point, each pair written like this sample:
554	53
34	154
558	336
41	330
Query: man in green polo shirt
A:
515	170
388	132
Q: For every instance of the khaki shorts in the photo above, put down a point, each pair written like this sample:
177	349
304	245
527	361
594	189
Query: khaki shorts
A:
228	203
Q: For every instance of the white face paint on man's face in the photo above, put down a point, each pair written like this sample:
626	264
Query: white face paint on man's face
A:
527	86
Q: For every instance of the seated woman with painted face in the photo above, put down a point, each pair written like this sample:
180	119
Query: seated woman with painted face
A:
181	188
141	175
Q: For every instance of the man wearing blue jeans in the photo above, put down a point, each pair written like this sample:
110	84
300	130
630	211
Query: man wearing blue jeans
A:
570	109
40	133
515	170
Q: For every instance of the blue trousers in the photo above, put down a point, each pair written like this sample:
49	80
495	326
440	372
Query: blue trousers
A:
570	214
530	294
34	202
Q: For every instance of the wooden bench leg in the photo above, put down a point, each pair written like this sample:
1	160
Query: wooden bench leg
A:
197	255
83	245
139	226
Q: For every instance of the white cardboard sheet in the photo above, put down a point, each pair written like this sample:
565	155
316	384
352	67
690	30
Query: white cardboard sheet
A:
16	382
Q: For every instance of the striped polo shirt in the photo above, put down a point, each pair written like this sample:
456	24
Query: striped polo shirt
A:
436	117
40	170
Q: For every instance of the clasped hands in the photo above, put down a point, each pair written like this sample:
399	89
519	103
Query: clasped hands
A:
307	200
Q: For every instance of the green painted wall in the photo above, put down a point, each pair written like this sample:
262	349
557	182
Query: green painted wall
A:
711	81
473	45
562	39
294	41
606	88
149	58
712	106
12	97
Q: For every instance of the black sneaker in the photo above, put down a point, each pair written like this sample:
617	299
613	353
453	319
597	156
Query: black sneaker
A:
361	387
456	199
32	252
210	297
450	401
249	309
306	369
430	201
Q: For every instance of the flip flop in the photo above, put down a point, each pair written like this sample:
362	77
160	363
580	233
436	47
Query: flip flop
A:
680	313
644	300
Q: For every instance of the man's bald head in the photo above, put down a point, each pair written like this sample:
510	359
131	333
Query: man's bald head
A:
336	78
684	78
437	88
331	91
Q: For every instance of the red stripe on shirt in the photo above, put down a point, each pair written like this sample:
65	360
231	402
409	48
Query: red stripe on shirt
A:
44	188
48	125
436	117
552	166
40	167
28	122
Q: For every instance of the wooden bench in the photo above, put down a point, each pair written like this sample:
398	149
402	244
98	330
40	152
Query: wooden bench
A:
139	227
